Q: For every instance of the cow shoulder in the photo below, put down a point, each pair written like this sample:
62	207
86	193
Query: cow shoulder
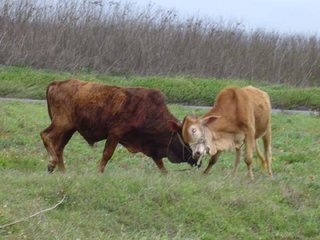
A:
144	97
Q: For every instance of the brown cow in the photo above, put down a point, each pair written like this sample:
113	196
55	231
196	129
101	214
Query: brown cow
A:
137	118
240	115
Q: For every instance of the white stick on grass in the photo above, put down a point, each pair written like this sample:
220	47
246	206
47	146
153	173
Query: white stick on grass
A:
33	215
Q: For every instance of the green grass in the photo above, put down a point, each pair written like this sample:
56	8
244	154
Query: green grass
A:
132	200
24	82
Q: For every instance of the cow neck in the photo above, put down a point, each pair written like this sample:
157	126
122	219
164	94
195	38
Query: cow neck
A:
215	138
215	110
174	140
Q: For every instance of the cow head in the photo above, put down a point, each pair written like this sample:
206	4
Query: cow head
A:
178	151
195	134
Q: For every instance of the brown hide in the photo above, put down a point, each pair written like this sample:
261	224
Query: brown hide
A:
134	117
239	116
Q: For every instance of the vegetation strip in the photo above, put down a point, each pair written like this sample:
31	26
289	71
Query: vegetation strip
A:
24	82
284	111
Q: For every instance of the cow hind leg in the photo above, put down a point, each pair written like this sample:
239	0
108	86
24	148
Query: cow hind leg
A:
55	139
262	159
237	161
108	151
62	142
267	150
249	142
50	147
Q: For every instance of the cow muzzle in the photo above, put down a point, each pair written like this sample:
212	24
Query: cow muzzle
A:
196	155
198	151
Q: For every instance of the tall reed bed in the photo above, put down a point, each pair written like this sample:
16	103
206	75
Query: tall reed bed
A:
121	38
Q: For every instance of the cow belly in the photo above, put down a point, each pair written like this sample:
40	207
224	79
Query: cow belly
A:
92	136
137	143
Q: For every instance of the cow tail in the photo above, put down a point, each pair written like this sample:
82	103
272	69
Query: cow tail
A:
48	101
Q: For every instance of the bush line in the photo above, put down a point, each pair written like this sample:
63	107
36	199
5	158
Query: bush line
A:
114	37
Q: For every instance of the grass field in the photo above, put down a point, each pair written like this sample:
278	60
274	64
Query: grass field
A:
24	82
132	200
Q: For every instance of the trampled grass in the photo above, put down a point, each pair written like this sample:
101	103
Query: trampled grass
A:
25	82
132	200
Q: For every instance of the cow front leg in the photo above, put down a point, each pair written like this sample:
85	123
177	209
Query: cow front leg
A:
212	161
160	165
108	151
237	161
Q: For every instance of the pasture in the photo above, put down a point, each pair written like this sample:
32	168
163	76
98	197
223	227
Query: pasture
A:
133	200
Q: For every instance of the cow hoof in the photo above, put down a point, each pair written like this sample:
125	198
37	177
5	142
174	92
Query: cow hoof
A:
100	169
164	172
50	168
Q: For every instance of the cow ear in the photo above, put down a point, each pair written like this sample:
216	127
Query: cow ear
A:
174	126
209	119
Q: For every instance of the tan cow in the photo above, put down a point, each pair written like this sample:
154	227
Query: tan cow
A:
239	116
